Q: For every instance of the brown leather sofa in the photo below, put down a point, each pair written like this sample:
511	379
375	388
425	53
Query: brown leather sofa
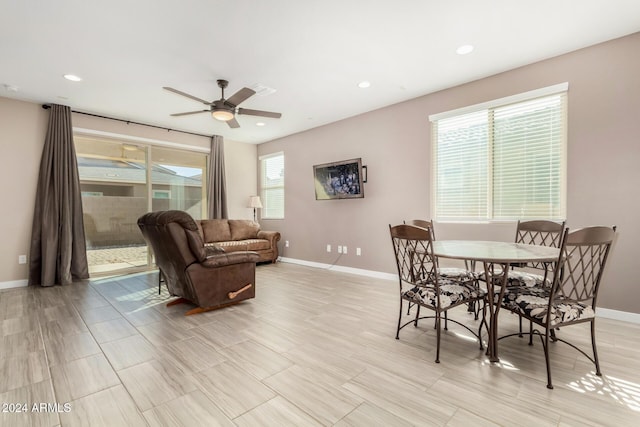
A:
240	235
205	276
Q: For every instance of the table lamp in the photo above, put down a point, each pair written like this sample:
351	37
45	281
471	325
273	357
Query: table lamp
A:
255	203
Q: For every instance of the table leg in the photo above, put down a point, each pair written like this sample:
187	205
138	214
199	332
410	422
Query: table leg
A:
492	347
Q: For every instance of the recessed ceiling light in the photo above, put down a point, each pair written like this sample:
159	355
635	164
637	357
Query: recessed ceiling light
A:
364	84
260	124
72	77
464	49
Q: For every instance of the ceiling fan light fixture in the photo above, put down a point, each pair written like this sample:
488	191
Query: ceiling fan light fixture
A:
222	115
225	110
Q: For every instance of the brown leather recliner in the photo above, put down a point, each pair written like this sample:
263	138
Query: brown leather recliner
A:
205	276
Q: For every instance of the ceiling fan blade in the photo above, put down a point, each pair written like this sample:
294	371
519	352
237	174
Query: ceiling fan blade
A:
190	112
259	113
233	123
195	98
241	96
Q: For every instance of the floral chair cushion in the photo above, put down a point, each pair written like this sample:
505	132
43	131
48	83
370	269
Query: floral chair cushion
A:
534	302
456	273
522	278
452	292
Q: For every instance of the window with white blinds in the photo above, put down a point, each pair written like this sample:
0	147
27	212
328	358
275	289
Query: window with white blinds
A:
272	186
503	160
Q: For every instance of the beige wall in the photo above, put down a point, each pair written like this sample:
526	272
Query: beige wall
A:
241	172
22	129
22	132
394	142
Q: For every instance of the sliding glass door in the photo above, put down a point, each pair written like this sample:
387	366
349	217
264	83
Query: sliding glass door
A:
120	181
176	181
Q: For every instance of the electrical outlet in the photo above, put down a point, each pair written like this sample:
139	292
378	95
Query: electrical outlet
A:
22	259
344	250
328	248
339	249
358	251
286	243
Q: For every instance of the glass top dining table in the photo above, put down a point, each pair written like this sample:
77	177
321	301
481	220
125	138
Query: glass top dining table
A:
491	253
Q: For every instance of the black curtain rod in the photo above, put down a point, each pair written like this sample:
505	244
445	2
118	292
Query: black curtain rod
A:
129	122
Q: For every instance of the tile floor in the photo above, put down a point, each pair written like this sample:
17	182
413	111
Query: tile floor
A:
315	347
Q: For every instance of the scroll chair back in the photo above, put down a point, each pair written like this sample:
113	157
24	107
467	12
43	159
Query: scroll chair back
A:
585	255
454	272
420	283
574	292
541	233
422	223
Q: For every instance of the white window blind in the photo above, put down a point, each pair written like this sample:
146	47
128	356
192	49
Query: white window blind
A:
501	162
272	186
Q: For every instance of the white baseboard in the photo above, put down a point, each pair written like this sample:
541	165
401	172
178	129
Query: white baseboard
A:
624	316
604	313
14	284
342	269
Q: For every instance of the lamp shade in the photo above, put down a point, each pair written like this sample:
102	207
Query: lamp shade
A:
254	202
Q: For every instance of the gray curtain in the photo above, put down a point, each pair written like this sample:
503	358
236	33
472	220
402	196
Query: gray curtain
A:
217	184
58	253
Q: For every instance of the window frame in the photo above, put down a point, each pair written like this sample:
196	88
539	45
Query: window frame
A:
264	212
558	89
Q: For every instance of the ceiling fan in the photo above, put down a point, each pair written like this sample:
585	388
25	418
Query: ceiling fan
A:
226	109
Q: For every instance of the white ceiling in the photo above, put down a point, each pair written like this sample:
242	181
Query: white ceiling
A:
313	52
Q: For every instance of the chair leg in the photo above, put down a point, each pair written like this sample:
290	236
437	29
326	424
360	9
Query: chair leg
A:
520	326
415	322
399	321
595	351
484	321
446	327
546	358
438	336
530	332
474	306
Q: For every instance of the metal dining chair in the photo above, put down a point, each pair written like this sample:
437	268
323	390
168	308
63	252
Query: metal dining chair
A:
571	298
420	283
536	232
540	233
457	273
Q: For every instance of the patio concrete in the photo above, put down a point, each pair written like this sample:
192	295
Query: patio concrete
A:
106	260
